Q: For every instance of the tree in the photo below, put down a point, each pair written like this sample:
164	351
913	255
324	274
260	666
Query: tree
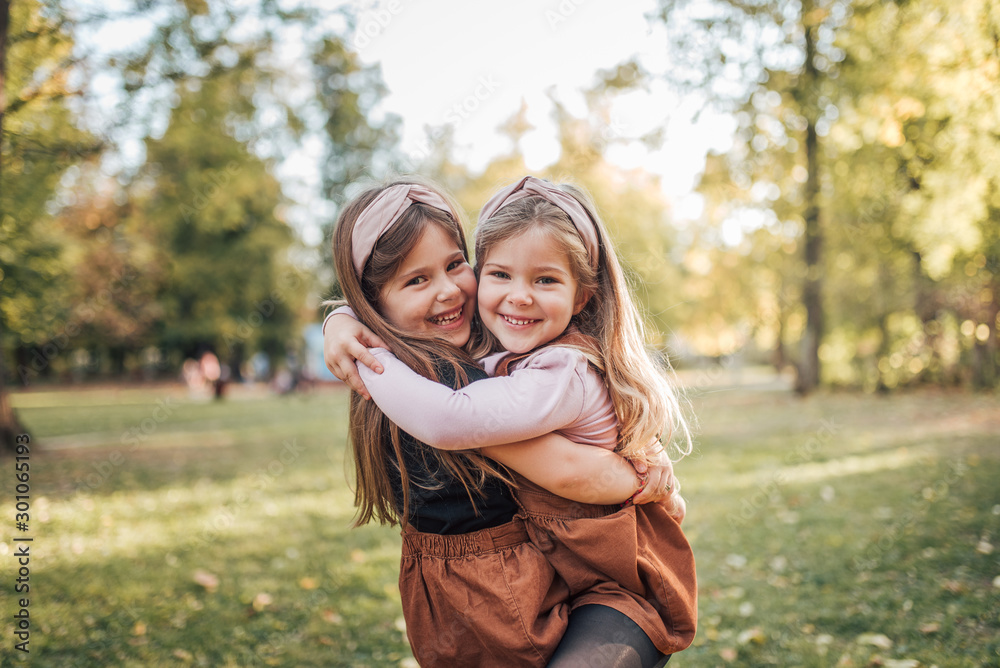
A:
37	142
913	160
347	93
772	63
212	208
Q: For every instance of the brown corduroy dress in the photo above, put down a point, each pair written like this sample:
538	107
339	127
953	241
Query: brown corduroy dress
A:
484	599
634	559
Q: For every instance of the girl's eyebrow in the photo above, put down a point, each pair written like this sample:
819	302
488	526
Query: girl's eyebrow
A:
427	269
545	269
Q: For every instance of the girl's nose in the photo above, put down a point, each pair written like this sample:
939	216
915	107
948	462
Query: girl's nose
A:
519	296
449	290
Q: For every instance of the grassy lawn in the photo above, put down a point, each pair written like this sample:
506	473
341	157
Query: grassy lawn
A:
840	530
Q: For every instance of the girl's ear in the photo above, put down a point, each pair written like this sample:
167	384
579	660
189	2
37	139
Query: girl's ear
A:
582	297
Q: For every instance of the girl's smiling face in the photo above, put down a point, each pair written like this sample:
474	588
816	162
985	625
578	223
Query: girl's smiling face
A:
433	291
527	291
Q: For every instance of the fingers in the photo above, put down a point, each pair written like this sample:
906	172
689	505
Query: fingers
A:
654	489
660	485
361	354
354	381
371	340
344	369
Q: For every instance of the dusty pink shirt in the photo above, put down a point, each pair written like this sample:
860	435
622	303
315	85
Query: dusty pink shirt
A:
554	389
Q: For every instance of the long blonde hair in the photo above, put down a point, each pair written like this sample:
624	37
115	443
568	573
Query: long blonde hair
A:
376	441
645	400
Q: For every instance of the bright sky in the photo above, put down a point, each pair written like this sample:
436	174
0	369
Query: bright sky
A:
469	65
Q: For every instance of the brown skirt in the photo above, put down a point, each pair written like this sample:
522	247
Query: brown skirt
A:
486	598
635	560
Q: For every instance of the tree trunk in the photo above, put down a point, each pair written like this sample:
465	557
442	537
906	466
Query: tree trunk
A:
10	427
984	353
808	378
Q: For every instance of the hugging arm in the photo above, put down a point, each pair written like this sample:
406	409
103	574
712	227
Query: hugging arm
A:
545	395
576	472
346	340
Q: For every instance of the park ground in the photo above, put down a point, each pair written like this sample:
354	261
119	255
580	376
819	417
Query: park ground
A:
170	530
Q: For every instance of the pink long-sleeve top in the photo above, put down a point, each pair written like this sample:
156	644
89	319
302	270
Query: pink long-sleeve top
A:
554	389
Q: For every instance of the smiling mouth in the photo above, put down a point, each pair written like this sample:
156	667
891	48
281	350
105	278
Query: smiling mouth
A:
518	322
449	318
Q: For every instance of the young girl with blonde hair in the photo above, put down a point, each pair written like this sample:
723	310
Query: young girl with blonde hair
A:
475	590
565	340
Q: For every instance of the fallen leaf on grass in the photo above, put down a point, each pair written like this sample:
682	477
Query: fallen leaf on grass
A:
984	547
754	635
875	639
900	663
929	627
261	601
358	557
308	583
139	629
207	580
996	582
736	561
401	624
183	655
954	586
727	654
332	617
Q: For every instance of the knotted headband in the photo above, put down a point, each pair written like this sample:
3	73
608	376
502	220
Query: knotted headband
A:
379	216
529	186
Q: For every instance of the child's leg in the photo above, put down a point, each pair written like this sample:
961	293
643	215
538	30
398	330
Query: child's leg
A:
601	636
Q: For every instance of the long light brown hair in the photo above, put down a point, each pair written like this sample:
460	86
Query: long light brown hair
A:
645	400
376	440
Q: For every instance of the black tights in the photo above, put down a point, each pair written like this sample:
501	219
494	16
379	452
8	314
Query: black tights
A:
602	637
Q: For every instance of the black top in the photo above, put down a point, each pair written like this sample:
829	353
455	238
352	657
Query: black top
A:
447	508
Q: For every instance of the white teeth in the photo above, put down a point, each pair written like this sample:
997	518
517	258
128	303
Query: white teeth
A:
447	319
515	321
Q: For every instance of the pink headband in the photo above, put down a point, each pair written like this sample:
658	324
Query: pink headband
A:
383	213
529	186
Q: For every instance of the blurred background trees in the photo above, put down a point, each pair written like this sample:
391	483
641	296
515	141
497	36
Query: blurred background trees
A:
851	231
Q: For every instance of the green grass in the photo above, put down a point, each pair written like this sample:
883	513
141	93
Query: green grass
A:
840	530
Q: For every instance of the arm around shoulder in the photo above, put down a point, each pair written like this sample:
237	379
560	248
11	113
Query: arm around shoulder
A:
535	400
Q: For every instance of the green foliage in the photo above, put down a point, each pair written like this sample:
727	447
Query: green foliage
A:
211	209
39	141
907	113
347	93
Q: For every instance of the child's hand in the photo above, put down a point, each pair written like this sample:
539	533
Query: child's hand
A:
661	485
344	341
